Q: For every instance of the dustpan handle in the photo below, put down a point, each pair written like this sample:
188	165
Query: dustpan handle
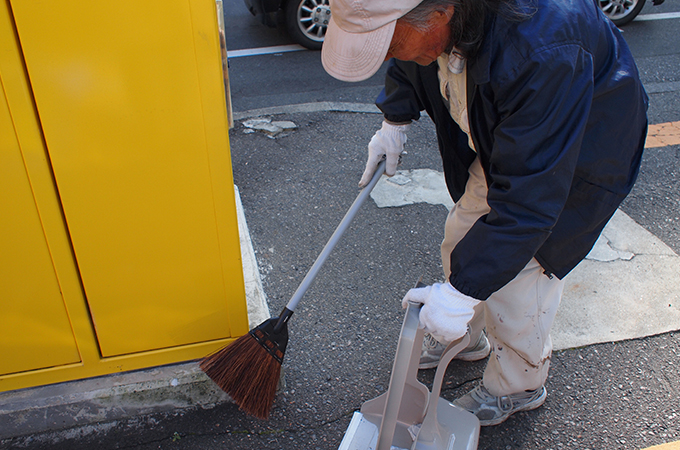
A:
428	431
330	245
449	353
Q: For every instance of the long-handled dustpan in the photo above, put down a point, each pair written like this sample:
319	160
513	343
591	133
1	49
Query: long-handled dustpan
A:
408	416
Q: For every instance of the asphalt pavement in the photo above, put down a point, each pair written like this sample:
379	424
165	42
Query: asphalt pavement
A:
295	188
614	380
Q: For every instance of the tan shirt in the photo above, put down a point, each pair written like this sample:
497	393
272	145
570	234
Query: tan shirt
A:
453	87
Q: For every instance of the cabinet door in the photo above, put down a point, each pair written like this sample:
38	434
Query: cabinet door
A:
35	331
131	100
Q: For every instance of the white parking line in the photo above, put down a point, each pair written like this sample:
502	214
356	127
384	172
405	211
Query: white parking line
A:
659	16
264	50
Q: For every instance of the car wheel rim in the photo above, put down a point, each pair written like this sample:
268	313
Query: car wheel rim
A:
617	9
313	17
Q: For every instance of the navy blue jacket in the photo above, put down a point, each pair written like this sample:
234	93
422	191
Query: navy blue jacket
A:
558	117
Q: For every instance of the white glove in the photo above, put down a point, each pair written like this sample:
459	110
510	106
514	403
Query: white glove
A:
445	312
388	141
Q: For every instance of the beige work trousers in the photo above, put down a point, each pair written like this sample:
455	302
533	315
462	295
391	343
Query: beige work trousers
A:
517	317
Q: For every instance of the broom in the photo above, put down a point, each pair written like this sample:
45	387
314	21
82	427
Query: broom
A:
249	368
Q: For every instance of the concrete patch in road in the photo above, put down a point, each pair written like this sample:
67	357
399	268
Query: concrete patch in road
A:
612	299
407	187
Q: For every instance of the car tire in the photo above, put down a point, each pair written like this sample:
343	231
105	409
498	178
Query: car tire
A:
307	21
621	12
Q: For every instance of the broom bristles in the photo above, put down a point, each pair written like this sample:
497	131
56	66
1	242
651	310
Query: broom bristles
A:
247	372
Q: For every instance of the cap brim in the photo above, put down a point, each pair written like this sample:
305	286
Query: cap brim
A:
355	56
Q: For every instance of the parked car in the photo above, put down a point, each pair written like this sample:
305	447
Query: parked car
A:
305	20
623	11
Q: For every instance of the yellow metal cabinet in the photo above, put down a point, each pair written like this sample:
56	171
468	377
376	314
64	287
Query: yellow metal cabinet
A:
128	105
34	324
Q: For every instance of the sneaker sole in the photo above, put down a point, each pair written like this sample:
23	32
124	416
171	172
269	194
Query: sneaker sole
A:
466	356
474	356
528	407
430	365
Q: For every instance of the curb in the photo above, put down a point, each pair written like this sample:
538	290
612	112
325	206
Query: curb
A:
309	108
49	414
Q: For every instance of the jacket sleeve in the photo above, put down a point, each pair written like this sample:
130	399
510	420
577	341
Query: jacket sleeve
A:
535	118
399	100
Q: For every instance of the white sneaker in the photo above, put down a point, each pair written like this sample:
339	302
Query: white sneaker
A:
432	351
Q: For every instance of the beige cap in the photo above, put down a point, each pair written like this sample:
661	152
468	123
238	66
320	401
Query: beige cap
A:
359	35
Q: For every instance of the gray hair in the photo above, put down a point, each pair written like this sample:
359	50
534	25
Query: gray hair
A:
418	17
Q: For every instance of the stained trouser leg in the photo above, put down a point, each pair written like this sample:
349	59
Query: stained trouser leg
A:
519	316
518	319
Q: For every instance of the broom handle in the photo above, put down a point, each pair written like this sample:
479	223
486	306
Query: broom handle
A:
337	234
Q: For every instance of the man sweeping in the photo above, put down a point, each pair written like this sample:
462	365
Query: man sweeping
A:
541	120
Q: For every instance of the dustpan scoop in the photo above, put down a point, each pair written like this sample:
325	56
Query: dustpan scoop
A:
408	416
